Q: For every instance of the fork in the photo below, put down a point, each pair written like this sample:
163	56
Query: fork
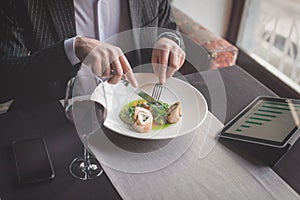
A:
157	90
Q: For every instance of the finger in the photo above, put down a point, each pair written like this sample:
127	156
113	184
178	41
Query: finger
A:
181	61
100	66
170	72
174	61
130	76
174	64
106	65
107	72
128	71
182	58
163	60
97	67
118	72
154	61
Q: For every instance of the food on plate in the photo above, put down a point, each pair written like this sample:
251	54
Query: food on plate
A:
174	113
142	120
144	116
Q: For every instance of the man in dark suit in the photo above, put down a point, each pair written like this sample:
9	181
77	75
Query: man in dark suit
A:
35	67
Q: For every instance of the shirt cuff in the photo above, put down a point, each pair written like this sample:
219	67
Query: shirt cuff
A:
171	36
69	45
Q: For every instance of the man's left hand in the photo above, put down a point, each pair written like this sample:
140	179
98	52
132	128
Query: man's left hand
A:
167	58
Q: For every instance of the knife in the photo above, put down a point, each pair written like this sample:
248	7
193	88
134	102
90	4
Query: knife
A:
137	91
145	96
141	93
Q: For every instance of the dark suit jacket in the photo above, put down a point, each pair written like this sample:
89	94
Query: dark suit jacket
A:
33	64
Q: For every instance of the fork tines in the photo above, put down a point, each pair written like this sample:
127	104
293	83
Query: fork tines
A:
157	90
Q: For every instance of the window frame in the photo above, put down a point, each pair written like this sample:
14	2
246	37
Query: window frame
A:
248	63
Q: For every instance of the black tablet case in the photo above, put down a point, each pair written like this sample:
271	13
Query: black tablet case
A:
256	153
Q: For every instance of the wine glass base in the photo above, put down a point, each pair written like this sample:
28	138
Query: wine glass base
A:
85	169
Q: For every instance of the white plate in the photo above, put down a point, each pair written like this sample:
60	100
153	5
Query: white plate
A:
193	105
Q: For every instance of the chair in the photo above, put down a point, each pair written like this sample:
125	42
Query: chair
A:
221	52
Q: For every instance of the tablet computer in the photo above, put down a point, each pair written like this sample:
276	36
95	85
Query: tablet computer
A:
266	120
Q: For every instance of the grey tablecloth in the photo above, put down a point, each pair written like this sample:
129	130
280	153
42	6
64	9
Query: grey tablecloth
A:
206	171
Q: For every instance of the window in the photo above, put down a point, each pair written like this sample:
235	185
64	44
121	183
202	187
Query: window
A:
269	33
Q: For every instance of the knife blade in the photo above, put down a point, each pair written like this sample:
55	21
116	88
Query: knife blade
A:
138	91
145	96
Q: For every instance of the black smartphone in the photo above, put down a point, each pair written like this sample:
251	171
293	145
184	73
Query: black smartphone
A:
32	159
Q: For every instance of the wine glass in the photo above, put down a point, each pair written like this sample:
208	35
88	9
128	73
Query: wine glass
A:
80	111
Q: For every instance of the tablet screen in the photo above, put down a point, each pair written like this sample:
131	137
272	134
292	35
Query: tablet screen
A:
266	120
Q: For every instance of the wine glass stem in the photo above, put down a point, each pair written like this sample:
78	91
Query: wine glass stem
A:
85	155
86	160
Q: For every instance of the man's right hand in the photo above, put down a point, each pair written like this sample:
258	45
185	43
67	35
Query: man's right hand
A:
104	58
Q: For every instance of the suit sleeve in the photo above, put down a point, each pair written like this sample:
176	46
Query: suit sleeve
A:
167	21
22	68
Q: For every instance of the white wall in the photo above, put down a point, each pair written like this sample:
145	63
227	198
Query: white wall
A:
212	14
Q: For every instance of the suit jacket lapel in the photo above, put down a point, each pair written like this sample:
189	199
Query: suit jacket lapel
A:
63	17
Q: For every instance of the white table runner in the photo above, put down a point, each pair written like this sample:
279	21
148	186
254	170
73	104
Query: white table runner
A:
207	170
202	168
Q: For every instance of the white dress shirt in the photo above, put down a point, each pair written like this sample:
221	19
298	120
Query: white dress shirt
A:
98	19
